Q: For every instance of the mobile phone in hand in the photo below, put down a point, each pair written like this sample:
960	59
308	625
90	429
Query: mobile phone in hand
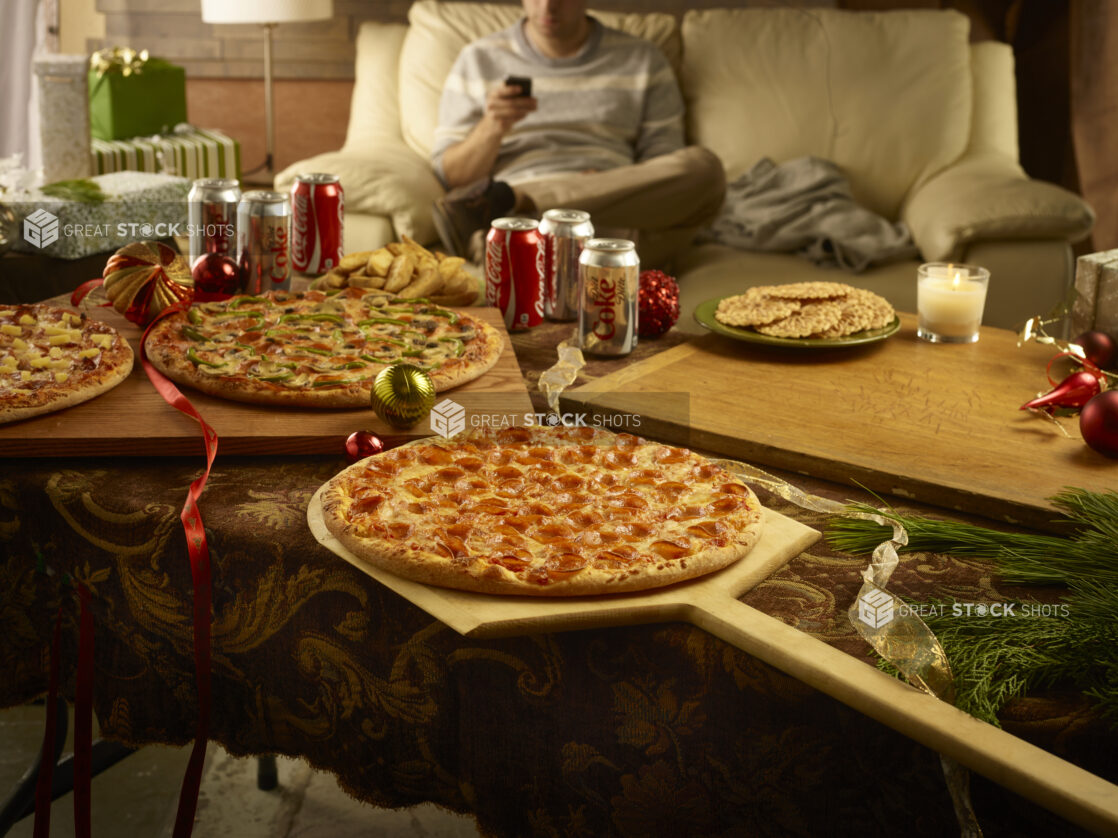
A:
523	82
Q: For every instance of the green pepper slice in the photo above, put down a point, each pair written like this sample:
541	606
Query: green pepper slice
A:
374	320
194	316
193	334
192	356
452	316
321	317
237	302
457	345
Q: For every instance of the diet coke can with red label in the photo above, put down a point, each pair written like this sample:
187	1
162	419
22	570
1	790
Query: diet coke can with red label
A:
609	284
317	219
514	271
263	241
212	217
565	232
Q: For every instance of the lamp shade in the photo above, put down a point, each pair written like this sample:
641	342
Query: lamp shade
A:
265	11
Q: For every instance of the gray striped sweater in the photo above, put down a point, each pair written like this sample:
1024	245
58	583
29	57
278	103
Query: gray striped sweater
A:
613	103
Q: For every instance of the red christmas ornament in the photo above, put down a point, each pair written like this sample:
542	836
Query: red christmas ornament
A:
658	304
1099	347
1098	422
1074	392
216	277
362	444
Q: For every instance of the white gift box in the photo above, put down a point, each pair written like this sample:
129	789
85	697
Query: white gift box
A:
137	206
1096	293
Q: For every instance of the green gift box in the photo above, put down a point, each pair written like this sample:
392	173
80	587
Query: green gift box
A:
134	97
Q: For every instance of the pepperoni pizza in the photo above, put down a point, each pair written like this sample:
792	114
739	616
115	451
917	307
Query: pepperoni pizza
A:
542	511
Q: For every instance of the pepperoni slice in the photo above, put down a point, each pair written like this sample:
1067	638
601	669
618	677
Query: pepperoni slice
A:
565	565
434	456
366	505
707	529
726	505
669	550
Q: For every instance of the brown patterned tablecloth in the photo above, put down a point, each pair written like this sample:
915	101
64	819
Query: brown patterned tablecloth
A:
650	730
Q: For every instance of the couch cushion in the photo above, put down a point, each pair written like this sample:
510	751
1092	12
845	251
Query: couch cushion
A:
885	95
374	107
438	31
389	180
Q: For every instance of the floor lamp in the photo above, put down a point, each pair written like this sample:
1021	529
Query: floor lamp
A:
267	13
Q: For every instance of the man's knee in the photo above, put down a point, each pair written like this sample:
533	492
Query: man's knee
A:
706	171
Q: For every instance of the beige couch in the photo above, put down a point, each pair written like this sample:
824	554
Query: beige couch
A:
922	122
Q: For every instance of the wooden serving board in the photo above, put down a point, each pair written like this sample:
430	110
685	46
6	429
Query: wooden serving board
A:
711	603
937	423
132	419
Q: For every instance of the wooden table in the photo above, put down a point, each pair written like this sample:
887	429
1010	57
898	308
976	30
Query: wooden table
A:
661	729
132	419
932	422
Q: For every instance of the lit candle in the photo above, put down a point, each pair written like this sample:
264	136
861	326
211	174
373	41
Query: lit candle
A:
949	302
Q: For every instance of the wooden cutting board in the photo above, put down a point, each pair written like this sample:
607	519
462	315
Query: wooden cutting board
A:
710	602
132	419
936	423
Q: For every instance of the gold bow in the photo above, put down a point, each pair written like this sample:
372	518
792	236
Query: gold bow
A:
123	60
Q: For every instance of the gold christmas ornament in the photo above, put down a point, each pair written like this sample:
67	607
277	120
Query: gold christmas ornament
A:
402	395
143	278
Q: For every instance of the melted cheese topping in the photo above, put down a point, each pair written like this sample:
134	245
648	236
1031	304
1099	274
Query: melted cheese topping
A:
546	504
315	340
41	346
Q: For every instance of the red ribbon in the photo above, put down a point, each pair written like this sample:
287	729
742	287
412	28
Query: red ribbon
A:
1088	366
80	292
45	782
199	553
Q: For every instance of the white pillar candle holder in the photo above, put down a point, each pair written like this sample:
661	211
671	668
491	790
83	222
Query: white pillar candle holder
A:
950	299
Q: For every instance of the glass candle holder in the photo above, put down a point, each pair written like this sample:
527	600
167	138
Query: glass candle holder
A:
950	299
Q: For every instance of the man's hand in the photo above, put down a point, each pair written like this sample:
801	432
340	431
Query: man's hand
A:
505	106
473	158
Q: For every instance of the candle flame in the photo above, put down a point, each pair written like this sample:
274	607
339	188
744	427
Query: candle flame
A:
957	280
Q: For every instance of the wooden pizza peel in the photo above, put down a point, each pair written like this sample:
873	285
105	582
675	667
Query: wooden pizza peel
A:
711	603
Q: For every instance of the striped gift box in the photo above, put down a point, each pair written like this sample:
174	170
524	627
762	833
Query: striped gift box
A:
191	154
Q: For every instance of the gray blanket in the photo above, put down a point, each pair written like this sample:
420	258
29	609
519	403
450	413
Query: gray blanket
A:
805	206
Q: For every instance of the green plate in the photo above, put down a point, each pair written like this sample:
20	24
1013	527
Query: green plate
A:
704	314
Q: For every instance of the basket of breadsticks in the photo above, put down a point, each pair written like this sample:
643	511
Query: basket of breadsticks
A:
408	270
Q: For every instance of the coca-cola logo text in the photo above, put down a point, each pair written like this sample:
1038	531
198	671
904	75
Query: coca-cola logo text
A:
303	228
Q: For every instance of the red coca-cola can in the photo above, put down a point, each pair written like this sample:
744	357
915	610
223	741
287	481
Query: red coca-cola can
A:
514	271
317	219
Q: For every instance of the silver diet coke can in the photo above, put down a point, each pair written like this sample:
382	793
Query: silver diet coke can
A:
565	232
212	217
608	285
263	241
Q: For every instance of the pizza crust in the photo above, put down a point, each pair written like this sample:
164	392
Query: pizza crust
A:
415	555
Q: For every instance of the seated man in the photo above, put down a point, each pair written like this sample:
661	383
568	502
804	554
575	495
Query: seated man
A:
602	132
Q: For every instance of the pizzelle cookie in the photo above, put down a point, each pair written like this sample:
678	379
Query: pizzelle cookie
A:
806	309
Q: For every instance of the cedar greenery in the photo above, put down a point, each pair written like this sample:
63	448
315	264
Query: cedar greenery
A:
83	191
995	659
